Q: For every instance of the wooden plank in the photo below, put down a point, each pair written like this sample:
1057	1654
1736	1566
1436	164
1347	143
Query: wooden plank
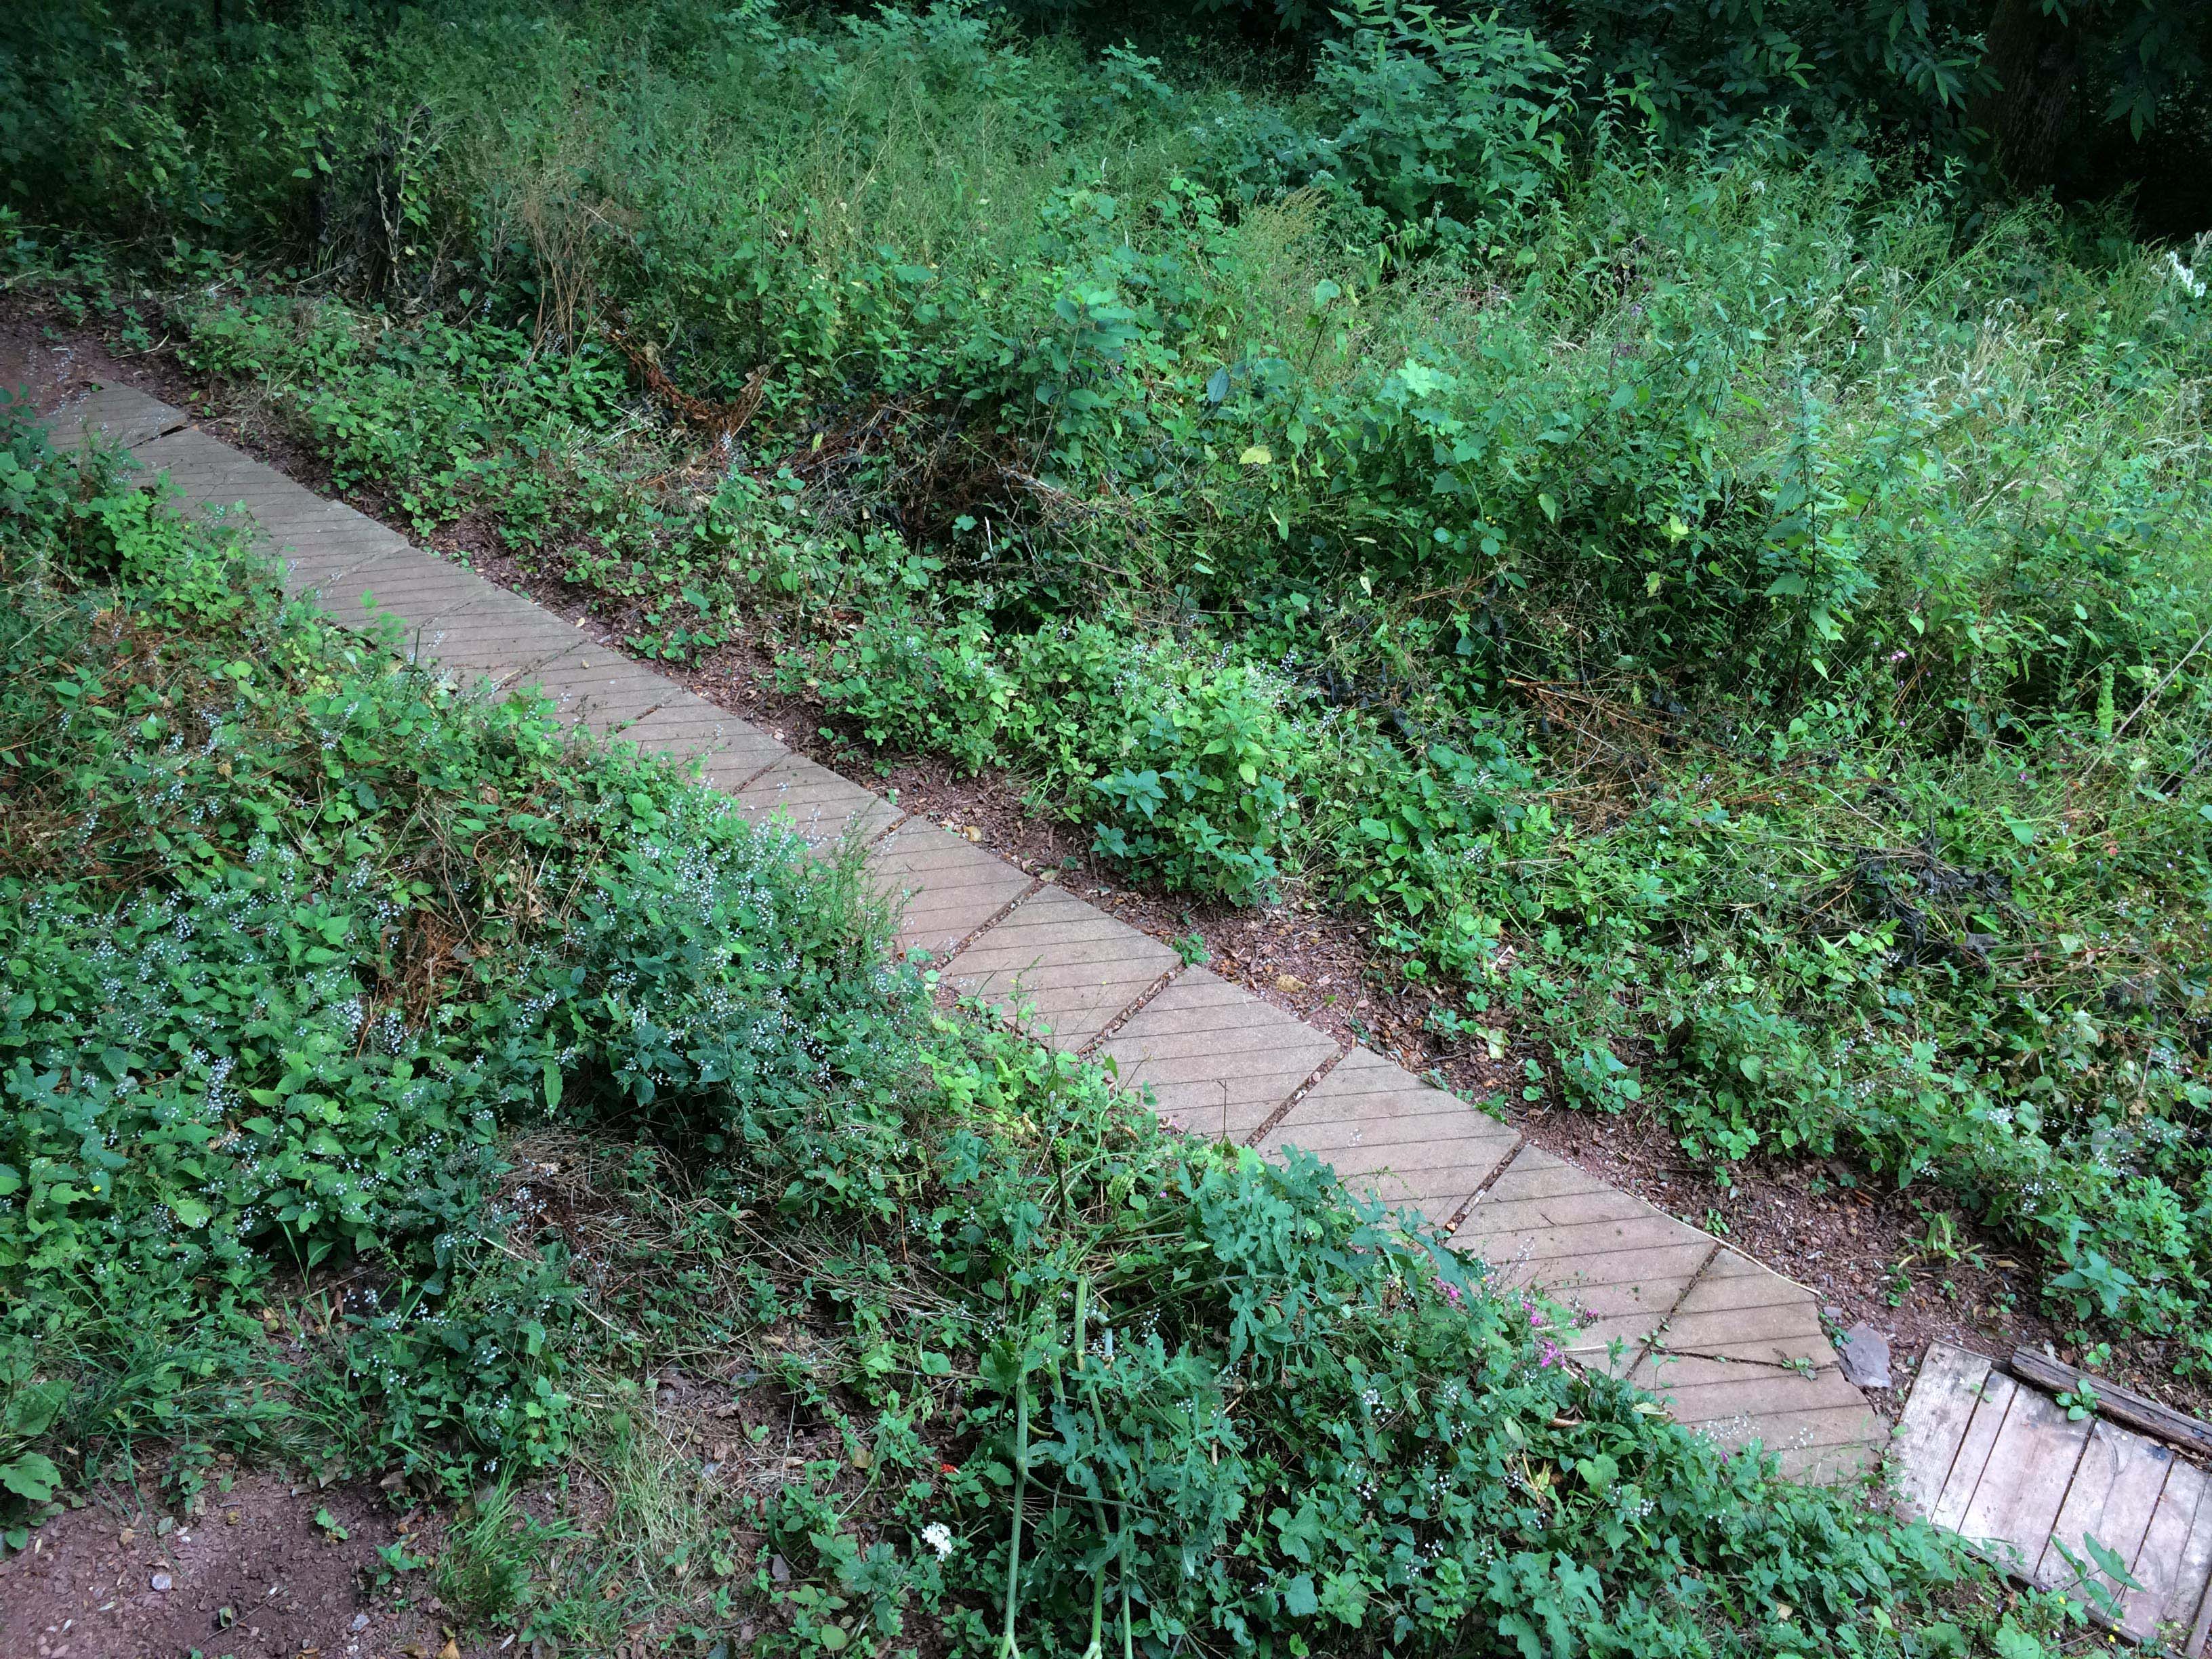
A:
2190	1604
2121	1404
1958	1490
2024	1483
2116	1488
1933	1424
2160	1565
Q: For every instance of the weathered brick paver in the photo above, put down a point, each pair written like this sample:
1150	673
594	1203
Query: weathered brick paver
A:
1736	1348
1217	1059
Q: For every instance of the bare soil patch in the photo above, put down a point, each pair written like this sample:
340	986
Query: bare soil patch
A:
255	1574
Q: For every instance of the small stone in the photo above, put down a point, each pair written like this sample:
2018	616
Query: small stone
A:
161	1581
1832	1314
779	1568
360	1621
1864	1355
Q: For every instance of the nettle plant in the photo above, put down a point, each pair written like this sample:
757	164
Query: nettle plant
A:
1091	1387
325	932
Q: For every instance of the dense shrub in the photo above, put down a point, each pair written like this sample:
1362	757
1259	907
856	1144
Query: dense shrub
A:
1730	617
1236	1411
290	933
298	941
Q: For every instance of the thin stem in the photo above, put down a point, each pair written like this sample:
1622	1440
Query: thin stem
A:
1021	1495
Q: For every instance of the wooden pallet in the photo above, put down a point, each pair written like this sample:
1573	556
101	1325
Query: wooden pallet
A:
1997	1461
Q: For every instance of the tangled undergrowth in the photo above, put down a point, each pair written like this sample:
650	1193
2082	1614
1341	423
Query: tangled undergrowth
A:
395	1079
1732	617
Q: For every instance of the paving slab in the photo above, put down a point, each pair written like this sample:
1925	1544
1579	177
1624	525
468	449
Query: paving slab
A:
503	638
594	686
1711	1392
1391	1137
1553	1227
824	808
1742	1357
462	660
113	414
320	555
417	591
1219	1060
1065	971
217	482
731	752
1739	1310
945	886
1815	1447
206	471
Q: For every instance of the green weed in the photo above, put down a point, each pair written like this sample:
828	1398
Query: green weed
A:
1730	611
537	1070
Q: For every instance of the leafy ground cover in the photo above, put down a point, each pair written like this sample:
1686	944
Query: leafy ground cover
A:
394	1081
1732	616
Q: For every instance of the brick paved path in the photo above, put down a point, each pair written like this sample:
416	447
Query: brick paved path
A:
1736	1349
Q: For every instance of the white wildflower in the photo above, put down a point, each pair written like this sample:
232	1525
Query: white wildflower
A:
2184	274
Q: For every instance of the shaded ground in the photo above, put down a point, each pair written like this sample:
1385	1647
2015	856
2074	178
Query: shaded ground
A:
269	1570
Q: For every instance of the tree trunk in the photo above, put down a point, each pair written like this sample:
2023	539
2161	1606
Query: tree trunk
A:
2032	56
